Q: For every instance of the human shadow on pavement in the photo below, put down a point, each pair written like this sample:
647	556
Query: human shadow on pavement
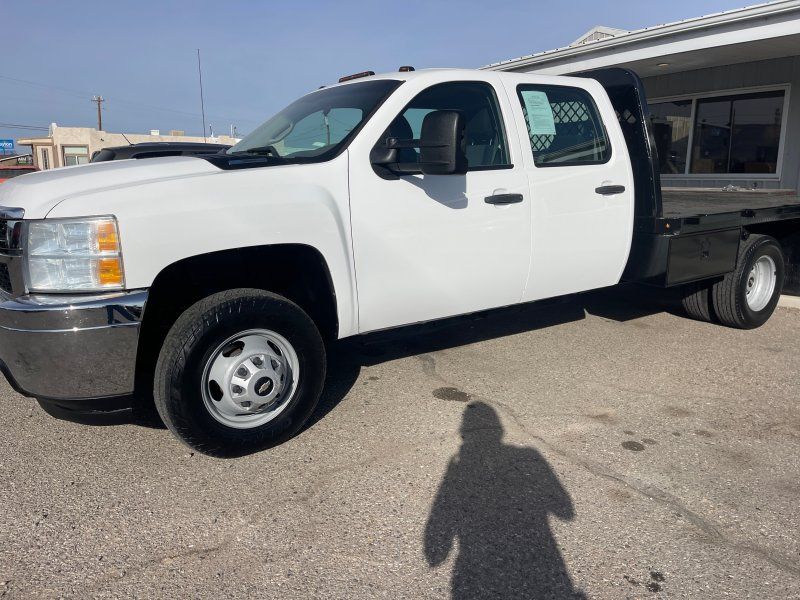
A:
494	501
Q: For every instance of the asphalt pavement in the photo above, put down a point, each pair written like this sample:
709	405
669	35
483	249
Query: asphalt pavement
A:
603	447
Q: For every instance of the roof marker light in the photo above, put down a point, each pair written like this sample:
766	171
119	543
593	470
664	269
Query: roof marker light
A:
356	76
406	68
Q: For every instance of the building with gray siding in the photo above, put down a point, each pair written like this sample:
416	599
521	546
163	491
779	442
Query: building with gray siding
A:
724	92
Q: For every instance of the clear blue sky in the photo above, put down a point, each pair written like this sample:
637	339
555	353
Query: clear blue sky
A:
257	56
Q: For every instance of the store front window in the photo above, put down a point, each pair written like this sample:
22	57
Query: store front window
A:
720	135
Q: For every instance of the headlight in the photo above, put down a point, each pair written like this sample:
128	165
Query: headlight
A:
69	255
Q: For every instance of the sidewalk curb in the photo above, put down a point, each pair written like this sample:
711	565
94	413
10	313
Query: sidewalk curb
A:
789	301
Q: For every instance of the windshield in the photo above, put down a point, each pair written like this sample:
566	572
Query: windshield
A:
317	125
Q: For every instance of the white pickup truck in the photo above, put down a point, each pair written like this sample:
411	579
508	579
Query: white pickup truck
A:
210	284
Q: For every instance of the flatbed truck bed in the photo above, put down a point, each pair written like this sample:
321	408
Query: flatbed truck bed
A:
693	212
694	202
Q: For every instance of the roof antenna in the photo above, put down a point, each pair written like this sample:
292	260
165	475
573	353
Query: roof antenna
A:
202	104
126	139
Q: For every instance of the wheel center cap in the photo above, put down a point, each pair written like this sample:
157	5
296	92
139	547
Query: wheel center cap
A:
264	386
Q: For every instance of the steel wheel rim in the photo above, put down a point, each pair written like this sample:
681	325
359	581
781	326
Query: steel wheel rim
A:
760	283
250	378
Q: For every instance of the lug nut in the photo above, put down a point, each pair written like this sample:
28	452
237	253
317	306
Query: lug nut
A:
242	372
257	361
236	389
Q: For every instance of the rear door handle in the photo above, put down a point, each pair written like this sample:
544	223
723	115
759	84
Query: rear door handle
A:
503	199
607	190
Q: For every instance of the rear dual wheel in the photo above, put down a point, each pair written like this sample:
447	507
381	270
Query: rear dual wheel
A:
746	297
697	301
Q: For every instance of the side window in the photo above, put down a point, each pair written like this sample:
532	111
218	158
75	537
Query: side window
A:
75	155
564	126
484	134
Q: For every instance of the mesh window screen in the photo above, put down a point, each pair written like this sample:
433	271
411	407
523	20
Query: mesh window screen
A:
565	130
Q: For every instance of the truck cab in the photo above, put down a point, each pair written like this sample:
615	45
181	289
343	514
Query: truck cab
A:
211	285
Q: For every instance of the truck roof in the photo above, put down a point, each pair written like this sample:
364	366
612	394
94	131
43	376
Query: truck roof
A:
450	74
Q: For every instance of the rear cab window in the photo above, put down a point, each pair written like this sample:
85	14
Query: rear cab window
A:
564	126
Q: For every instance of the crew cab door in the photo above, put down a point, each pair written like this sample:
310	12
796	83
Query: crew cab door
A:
581	184
431	246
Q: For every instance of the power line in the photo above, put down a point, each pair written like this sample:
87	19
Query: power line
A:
29	127
76	93
82	95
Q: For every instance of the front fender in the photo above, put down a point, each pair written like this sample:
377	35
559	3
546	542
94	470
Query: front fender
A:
164	222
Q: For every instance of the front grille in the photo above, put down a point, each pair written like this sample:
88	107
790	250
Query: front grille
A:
10	231
10	254
5	279
5	242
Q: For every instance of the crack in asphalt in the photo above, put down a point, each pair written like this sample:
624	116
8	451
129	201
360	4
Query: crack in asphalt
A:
711	533
163	560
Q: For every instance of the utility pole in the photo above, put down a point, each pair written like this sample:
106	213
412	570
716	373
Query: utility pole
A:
202	104
99	100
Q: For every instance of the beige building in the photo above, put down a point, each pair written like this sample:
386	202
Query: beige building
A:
65	146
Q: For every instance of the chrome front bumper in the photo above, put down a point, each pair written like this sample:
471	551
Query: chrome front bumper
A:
71	348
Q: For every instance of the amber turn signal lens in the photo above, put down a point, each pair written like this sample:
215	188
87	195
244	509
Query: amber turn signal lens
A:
107	239
109	271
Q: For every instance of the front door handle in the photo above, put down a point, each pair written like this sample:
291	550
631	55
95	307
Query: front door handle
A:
608	190
503	199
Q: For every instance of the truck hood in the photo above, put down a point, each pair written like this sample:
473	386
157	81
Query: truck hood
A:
38	193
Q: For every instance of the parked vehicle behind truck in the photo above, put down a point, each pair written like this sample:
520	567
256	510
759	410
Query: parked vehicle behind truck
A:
156	150
9	171
213	283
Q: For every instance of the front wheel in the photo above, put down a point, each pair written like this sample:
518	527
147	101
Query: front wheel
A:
747	297
239	371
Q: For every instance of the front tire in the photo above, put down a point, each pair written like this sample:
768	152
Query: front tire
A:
239	371
747	297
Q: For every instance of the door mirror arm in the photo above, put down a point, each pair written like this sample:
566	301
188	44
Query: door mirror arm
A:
396	144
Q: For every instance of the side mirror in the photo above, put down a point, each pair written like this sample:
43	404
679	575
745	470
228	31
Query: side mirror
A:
441	148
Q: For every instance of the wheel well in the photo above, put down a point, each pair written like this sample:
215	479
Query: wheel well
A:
297	272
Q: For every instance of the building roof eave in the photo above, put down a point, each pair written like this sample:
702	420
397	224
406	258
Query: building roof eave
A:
741	17
32	141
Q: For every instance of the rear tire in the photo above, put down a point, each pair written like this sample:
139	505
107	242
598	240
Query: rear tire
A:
239	371
697	301
747	297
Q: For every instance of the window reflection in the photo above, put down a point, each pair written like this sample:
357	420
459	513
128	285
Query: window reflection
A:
732	134
671	126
